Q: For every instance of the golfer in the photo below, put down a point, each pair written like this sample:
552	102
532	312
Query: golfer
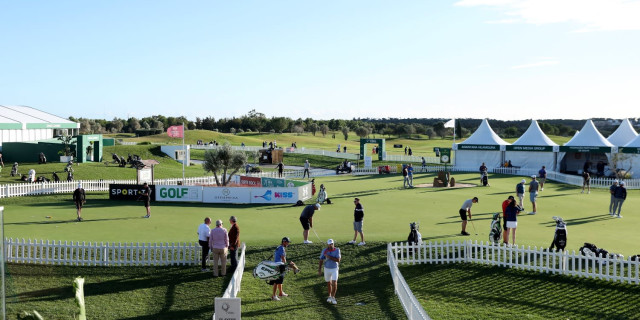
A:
145	195
612	190
520	193
203	239
620	195
586	181
358	219
542	174
79	197
465	211
280	256
533	194
306	219
330	257
306	170
512	222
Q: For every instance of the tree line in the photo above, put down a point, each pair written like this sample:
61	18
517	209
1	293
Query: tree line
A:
255	121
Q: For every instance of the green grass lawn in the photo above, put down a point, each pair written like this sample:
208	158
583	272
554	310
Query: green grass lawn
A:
473	291
388	210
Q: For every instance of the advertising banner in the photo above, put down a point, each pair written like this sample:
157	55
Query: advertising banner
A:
304	192
252	182
226	195
294	183
272	183
179	193
530	148
478	147
274	195
585	149
128	192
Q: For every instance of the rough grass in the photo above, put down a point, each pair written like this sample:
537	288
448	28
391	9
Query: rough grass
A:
473	291
365	289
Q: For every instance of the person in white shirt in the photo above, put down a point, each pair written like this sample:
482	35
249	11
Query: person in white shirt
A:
203	239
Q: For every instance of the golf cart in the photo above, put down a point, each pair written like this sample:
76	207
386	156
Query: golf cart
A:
344	167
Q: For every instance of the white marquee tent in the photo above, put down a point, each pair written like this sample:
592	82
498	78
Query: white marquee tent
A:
586	146
533	149
484	145
623	135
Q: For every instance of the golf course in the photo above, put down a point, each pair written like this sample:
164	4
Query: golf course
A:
464	291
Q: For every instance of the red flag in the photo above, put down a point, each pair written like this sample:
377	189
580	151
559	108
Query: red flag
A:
175	132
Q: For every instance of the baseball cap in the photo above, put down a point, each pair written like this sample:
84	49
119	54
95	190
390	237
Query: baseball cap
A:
615	181
511	198
622	183
476	199
523	181
285	239
318	206
330	241
79	185
533	176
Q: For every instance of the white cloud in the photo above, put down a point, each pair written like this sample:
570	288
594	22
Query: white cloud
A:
588	15
504	21
536	64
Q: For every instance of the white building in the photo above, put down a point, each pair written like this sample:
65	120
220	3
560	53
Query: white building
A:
21	124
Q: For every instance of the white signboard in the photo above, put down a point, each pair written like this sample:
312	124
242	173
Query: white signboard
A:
367	162
304	192
226	195
145	175
179	193
227	309
274	195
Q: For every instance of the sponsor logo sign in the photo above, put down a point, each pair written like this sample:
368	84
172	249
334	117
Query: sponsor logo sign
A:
530	148
585	149
129	192
253	182
272	183
274	195
179	193
226	195
477	147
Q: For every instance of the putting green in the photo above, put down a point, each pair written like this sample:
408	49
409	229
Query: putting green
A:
389	209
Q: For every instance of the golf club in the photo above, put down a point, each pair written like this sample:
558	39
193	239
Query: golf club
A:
474	227
314	231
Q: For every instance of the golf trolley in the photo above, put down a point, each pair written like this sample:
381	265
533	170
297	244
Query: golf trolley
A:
560	235
496	228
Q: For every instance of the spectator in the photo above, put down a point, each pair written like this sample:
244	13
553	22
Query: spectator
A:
512	222
280	169
306	170
520	193
79	198
203	239
410	175
505	204
234	242
219	242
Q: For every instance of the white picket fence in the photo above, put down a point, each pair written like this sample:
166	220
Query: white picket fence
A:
236	279
519	257
412	308
106	254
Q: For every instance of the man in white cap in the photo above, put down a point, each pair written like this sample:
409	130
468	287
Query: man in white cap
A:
520	193
533	193
79	197
330	257
306	219
612	190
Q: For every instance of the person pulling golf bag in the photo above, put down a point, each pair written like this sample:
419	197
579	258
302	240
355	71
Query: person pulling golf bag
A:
496	228
560	235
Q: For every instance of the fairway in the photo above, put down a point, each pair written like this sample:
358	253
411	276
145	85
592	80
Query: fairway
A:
388	211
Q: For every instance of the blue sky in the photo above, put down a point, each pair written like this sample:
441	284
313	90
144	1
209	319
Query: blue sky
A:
501	59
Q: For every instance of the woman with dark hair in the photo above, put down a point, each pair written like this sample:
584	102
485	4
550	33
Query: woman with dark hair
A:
512	222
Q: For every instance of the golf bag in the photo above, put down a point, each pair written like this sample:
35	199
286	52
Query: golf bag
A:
414	235
55	177
322	194
269	270
560	235
70	175
485	179
591	250
14	170
496	228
